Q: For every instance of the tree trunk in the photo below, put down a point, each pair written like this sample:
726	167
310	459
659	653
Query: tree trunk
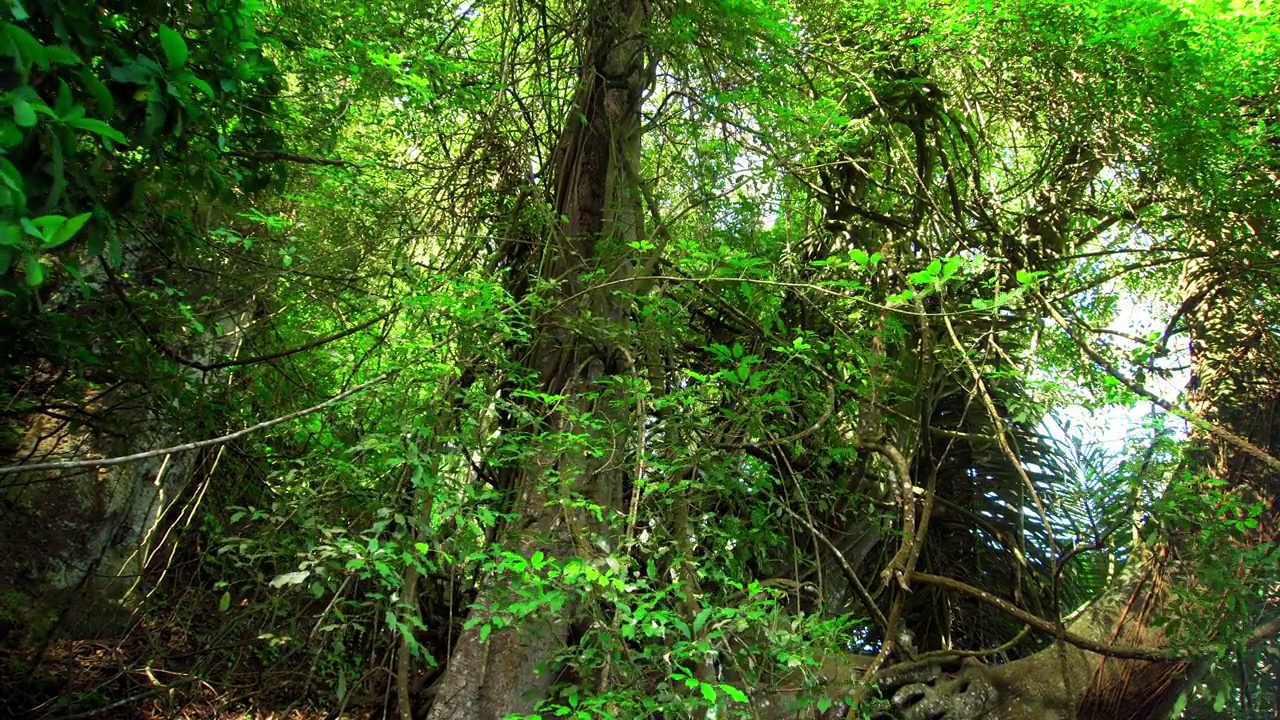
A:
494	672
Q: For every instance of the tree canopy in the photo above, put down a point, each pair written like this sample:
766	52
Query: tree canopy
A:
640	359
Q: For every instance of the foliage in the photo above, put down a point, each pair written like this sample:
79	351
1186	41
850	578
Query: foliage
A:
854	225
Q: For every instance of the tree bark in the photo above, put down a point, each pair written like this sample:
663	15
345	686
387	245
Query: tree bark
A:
575	346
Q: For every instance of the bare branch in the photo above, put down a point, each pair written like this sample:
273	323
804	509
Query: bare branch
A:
268	156
124	459
1047	627
1221	432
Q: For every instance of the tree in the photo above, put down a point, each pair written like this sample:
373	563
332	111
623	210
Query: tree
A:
714	348
909	185
595	230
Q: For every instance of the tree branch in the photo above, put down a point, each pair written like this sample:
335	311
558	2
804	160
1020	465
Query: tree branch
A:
813	427
849	572
123	459
1213	428
1046	626
271	156
291	351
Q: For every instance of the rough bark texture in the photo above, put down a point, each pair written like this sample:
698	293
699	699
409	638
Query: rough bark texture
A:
575	347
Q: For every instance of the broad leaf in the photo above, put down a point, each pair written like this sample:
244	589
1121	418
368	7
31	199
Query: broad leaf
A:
175	48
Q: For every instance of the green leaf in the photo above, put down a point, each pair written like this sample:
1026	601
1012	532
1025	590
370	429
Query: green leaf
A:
149	65
708	692
682	625
1025	277
737	695
48	224
62	105
40	108
10	135
99	128
484	632
30	51
98	91
58	167
952	265
22	113
200	85
175	48
31	228
6	257
62	56
701	619
66	231
35	271
155	119
10	176
225	602
75	113
133	74
19	12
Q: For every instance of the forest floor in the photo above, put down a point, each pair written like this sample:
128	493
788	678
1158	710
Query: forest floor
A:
161	668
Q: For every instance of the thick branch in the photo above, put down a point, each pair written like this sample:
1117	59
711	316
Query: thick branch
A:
1046	626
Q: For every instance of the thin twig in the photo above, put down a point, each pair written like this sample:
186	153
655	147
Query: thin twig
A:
265	156
150	692
124	459
849	572
1213	428
813	427
1002	433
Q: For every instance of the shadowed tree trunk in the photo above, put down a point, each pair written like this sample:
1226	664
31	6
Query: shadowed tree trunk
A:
576	348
